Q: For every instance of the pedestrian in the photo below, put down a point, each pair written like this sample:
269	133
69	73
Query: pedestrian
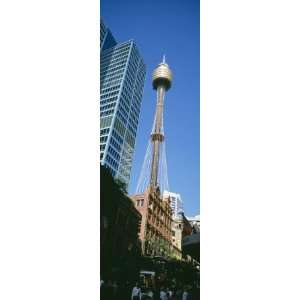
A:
136	292
169	293
185	294
173	294
147	295
163	294
103	290
150	293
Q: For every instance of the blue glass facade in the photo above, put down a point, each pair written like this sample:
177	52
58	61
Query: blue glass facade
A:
106	38
122	76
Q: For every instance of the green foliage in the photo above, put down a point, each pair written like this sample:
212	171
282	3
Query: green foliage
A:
121	185
111	190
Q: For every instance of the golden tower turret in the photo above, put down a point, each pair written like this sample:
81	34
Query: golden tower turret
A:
162	76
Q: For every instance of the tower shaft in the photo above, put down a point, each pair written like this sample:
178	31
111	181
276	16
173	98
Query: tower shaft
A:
157	135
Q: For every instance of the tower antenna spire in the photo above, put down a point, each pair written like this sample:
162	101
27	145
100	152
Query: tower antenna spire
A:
164	59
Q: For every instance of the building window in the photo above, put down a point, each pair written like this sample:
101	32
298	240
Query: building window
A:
138	203
173	233
142	202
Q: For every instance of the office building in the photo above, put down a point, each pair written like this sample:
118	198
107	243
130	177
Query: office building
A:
106	38
122	76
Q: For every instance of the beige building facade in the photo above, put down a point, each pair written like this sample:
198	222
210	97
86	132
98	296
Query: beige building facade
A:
180	229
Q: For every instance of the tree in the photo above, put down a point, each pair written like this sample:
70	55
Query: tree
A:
114	203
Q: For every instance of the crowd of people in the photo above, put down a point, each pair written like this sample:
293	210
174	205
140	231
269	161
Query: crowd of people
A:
124	291
188	292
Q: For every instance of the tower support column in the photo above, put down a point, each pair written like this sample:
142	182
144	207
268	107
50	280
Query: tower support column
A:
157	134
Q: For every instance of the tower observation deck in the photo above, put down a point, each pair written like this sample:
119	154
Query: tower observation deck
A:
154	170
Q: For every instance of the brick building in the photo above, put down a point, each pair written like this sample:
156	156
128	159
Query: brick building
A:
155	231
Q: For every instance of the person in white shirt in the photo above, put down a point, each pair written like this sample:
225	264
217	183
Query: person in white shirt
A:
149	293
169	293
136	293
163	294
185	294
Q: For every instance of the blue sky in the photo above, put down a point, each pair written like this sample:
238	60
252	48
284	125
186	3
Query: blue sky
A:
171	28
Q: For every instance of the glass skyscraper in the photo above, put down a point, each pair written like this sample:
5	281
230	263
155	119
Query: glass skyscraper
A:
122	76
106	38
